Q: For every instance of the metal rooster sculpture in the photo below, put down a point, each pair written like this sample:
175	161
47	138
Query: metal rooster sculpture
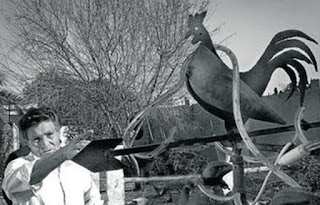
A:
212	175
209	80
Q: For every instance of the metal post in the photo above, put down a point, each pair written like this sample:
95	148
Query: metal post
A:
238	174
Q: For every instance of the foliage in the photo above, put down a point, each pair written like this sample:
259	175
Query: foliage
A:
176	162
116	57
77	104
305	172
7	144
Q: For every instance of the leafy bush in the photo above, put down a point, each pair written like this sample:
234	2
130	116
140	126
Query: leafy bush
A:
306	172
176	162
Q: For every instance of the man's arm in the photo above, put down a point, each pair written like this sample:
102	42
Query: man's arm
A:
16	181
21	175
47	164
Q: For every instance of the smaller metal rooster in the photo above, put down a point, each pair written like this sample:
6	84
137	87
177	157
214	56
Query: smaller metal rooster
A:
212	176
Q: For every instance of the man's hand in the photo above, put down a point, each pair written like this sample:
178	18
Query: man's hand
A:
77	144
46	164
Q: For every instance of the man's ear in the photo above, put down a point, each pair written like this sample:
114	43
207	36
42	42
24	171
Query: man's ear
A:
27	143
62	131
62	138
63	135
23	140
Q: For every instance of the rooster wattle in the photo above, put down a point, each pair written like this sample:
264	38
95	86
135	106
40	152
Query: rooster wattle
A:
209	80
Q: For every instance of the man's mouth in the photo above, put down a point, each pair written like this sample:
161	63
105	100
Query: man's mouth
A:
49	151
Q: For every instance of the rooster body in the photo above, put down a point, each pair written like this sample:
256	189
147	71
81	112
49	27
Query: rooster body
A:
209	80
215	86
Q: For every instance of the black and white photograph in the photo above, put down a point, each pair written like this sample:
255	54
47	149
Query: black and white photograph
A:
159	102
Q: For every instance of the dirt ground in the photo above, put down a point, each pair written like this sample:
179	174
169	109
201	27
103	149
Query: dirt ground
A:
148	191
154	198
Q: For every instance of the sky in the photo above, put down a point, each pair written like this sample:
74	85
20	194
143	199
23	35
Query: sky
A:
253	23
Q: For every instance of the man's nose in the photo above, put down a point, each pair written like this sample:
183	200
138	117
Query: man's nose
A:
45	142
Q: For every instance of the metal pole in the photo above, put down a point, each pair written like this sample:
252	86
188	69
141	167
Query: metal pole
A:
209	139
238	174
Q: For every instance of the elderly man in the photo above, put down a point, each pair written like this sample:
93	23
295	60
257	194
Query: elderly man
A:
46	175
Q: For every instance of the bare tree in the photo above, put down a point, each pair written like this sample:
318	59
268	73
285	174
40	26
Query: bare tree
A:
121	54
8	141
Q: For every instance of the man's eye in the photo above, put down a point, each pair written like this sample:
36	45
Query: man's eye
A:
36	140
50	135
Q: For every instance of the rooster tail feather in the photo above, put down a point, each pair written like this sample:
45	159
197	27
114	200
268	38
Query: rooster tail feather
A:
292	54
283	46
293	79
290	34
294	43
303	78
288	58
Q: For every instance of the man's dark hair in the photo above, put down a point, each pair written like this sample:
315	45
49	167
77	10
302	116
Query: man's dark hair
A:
36	115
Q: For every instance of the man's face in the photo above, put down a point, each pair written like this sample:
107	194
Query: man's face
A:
43	138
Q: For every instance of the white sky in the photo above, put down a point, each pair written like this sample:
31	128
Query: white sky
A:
255	22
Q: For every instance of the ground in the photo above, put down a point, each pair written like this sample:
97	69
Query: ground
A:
306	172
